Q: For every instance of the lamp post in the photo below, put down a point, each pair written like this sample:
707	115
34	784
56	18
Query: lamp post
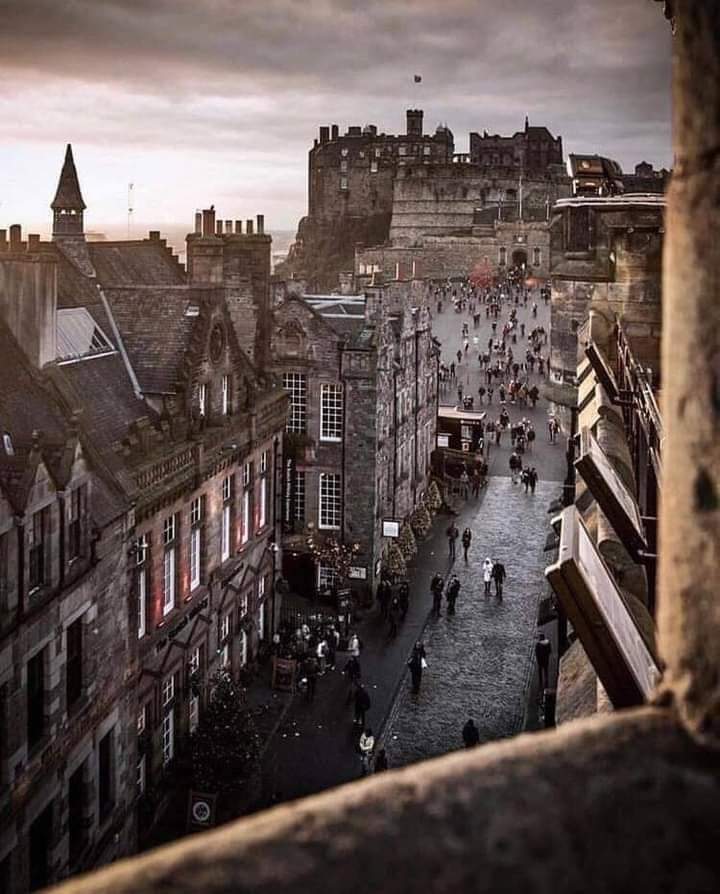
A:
273	549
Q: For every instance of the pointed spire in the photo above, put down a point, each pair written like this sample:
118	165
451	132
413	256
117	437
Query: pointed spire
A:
68	195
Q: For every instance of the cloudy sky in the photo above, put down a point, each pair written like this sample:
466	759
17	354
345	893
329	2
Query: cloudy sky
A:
200	101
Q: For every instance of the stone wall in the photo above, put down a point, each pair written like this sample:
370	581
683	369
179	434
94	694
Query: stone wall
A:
28	287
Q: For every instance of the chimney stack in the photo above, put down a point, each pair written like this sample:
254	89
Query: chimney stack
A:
249	227
324	134
260	220
208	222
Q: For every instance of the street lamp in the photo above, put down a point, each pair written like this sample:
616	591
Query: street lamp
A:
272	548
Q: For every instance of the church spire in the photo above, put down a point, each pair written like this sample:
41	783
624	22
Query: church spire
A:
68	195
68	204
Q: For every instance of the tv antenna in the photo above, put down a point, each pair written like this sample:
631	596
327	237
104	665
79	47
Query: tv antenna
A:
131	186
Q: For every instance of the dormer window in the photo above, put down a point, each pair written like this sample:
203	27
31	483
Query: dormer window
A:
78	512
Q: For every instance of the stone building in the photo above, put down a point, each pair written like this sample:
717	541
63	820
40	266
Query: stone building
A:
375	190
605	252
362	378
628	800
533	149
148	360
67	651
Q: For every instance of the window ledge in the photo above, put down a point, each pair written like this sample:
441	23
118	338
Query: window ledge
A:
478	815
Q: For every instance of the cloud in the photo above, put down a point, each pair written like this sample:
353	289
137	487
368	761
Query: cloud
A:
243	86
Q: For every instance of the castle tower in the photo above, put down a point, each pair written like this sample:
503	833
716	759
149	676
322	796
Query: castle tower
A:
68	204
414	119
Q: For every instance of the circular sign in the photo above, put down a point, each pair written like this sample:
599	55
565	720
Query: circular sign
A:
201	812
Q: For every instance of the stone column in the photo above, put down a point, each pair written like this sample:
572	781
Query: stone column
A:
689	590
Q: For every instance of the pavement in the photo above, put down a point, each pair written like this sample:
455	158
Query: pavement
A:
481	661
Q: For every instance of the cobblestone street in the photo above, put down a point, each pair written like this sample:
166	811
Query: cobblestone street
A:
481	658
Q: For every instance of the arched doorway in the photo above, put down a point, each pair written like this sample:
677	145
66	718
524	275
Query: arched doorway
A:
519	258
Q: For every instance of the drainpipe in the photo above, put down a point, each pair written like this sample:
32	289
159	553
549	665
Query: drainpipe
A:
341	356
417	400
395	442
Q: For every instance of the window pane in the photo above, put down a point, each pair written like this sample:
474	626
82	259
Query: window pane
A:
296	386
330	501
331	409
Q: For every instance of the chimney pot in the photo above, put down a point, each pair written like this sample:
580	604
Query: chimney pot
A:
238	227
260	220
15	236
3	240
154	235
198	223
208	222
219	228
228	227
249	227
335	130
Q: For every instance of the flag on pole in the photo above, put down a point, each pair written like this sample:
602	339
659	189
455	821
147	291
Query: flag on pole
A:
418	79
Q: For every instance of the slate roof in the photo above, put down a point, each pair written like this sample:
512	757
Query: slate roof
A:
68	195
155	331
145	262
100	388
77	290
345	314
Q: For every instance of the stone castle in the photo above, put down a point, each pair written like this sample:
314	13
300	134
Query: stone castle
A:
408	191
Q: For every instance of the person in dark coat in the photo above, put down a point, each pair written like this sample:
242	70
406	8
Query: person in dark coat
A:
310	668
416	662
467	534
404	597
498	575
470	734
381	761
452	593
543	650
436	588
362	705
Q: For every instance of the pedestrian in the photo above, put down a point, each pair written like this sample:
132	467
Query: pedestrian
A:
381	761
452	534
366	746
417	664
530	434
354	645
525	478
383	597
321	653
543	650
310	669
467	533
436	588
498	575
470	734
353	672
452	593
487	568
515	464
393	617
362	704
404	598
533	479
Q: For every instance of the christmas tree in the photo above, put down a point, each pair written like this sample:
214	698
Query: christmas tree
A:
226	744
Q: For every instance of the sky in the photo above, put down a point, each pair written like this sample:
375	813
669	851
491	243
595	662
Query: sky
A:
218	101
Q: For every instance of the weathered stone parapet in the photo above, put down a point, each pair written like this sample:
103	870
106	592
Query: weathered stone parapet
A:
564	811
689	607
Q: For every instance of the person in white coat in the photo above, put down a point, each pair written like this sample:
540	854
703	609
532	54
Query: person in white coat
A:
487	568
